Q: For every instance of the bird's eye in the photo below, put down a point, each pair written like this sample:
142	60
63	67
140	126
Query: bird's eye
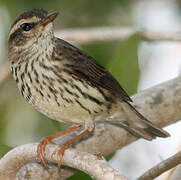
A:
26	26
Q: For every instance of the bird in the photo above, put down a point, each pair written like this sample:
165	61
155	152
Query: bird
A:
67	85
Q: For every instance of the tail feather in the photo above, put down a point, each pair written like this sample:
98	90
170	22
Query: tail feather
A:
140	133
140	126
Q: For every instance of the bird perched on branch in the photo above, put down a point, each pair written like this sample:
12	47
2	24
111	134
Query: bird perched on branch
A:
66	84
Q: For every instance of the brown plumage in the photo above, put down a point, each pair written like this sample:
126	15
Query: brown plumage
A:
67	85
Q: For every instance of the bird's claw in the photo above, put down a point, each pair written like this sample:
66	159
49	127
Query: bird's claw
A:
60	152
41	149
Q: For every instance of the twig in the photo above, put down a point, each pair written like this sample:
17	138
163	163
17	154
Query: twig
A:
90	35
162	167
159	36
103	34
91	164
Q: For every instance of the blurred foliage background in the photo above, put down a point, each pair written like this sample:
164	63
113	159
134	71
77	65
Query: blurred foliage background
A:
20	123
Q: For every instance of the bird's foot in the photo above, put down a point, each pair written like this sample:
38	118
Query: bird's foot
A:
60	151
41	149
48	140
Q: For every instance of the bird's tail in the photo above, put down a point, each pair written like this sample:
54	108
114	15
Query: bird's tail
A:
139	126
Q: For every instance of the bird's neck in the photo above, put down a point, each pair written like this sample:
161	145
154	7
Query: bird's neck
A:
41	48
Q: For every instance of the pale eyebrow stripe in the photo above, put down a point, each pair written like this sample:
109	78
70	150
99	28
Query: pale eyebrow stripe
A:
17	25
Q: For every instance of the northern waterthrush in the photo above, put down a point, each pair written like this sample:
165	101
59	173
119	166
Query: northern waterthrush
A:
67	85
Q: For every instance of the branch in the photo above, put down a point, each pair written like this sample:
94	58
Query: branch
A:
161	104
159	36
103	34
91	35
91	164
162	167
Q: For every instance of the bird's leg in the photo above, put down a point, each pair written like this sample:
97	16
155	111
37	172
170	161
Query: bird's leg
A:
48	140
62	147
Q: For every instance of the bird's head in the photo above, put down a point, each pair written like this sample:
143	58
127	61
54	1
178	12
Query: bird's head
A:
32	29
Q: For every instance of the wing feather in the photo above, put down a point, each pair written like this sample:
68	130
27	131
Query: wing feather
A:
86	68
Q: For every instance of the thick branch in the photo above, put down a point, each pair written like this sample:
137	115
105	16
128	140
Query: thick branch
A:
160	104
162	167
91	164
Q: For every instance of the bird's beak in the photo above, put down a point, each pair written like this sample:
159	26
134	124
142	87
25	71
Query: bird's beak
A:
50	18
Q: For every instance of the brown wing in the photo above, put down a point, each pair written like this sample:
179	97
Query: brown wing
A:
86	68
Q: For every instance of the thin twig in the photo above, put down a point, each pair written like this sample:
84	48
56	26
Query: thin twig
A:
103	34
161	167
159	36
99	34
